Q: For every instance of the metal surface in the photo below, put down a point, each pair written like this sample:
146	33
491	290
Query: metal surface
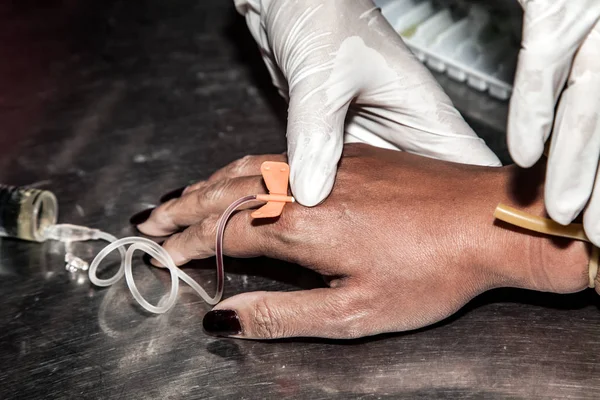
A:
113	104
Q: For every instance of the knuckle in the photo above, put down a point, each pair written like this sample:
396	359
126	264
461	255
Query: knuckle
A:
165	214
200	236
213	192
200	232
195	186
266	321
202	196
292	226
218	189
353	330
353	315
173	241
194	235
207	227
241	165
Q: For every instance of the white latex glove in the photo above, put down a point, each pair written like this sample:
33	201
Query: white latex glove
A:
561	45
347	75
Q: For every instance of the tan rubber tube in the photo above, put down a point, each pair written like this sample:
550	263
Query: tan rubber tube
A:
546	226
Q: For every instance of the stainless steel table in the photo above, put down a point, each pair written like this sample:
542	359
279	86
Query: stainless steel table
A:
110	104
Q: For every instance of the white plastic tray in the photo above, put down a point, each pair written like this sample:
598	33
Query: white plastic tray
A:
467	49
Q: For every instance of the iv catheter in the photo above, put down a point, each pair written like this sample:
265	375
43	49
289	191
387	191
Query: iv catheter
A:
275	175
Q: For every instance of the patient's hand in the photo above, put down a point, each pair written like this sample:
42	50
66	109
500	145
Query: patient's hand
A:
404	241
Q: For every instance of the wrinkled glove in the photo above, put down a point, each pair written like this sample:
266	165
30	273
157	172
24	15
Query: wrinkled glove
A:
560	54
347	75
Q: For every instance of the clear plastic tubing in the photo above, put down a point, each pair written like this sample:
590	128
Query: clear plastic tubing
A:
160	254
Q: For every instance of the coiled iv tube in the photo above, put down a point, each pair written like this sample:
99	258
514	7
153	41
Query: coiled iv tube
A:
73	233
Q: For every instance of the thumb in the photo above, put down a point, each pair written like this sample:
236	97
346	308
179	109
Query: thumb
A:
315	135
274	315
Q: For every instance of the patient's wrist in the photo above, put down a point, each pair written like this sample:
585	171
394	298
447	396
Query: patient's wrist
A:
529	260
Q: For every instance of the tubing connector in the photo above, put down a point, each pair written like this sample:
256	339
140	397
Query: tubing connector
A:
71	233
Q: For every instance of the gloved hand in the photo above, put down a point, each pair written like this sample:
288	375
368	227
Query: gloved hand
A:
347	75
561	45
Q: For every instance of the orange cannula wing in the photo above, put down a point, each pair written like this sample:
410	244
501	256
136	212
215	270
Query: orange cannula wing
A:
270	210
276	176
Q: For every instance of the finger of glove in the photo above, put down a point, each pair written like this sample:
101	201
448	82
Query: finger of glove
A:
315	140
552	33
575	145
301	45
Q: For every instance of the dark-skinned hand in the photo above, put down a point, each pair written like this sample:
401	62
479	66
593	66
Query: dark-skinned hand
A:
404	241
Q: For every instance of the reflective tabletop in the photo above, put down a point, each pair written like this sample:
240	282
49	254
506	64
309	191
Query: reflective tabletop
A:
110	104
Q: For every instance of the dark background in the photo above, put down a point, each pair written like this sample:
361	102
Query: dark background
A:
110	104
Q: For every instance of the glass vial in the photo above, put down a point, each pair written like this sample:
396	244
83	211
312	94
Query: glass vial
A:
25	213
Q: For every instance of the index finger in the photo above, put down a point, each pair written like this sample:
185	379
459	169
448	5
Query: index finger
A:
242	238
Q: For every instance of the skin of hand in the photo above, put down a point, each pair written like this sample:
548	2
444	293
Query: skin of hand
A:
348	76
403	241
560	59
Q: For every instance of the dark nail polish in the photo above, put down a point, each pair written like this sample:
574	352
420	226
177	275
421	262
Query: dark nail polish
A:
222	323
173	194
140	217
147	259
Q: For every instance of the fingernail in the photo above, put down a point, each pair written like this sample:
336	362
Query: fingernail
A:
147	259
222	323
173	194
141	217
